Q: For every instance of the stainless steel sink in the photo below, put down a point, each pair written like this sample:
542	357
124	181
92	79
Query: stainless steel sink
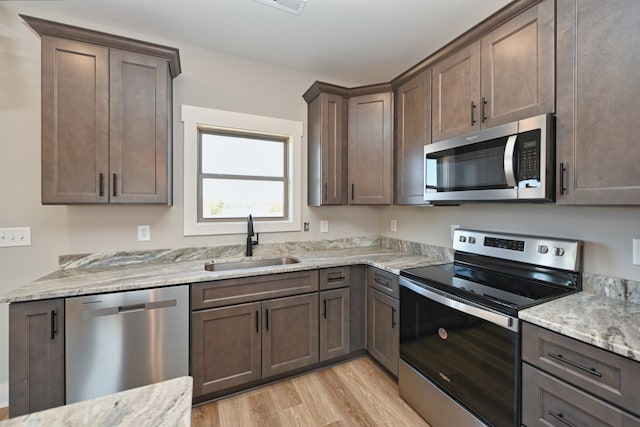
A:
249	263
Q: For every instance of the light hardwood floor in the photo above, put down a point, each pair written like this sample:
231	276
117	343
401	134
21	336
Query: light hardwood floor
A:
354	393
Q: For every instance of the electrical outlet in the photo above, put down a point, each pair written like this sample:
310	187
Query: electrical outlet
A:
144	233
324	226
394	225
306	226
15	236
453	228
636	251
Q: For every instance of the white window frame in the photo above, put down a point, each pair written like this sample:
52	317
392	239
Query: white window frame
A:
193	117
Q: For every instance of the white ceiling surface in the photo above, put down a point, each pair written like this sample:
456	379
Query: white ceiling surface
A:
359	41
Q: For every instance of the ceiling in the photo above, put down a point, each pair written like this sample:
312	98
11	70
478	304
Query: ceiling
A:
351	41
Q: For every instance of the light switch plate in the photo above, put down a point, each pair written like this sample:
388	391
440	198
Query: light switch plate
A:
15	236
324	226
394	225
144	233
636	251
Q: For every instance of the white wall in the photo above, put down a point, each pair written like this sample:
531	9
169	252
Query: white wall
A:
209	79
606	231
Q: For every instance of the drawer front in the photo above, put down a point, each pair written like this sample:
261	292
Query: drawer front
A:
547	401
607	375
247	289
333	278
384	282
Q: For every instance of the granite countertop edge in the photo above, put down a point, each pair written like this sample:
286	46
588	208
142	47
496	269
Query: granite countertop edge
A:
604	322
163	403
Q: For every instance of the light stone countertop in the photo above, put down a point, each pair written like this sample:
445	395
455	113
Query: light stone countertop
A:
604	322
167	403
101	274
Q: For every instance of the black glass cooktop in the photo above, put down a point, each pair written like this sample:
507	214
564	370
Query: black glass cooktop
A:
507	288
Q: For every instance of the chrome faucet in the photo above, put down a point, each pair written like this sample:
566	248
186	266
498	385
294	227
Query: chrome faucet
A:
250	234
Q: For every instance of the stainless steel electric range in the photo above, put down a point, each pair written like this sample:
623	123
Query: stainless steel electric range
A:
459	327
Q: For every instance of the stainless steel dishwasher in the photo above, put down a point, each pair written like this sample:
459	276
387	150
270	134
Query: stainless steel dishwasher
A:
123	340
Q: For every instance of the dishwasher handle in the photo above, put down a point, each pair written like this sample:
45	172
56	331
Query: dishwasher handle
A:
131	308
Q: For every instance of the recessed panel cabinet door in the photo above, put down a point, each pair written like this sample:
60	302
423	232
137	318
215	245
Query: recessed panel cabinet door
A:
75	122
140	112
370	149
598	100
290	334
383	336
334	323
36	356
412	132
225	347
456	93
518	67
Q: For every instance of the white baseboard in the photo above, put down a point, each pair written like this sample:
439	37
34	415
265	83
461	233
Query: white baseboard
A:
4	395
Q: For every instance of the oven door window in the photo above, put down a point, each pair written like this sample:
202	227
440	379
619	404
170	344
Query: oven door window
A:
473	360
477	166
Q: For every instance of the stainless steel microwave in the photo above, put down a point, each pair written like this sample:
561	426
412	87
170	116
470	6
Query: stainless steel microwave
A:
511	162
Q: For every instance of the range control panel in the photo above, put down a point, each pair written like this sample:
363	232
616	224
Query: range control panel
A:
546	251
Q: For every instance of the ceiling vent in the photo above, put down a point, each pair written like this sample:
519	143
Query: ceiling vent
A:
291	6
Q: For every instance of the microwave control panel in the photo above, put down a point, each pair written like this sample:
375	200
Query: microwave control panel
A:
530	156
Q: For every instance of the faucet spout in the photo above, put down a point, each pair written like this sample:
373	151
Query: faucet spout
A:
250	233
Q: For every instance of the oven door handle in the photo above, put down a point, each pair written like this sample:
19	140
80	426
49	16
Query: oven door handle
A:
509	168
499	319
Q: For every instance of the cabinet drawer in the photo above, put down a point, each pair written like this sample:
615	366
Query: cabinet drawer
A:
607	375
247	289
547	401
384	282
332	278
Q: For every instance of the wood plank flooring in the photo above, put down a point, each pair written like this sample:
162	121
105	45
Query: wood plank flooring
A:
354	393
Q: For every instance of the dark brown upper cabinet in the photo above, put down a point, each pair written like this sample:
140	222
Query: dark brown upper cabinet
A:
106	116
598	99
370	149
412	131
327	145
506	75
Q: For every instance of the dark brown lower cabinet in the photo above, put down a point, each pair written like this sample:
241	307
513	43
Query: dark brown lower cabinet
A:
36	356
242	343
383	336
290	334
335	327
225	347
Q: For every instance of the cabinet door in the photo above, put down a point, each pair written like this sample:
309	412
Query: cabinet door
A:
290	334
382	329
598	99
327	150
140	128
334	323
518	67
370	149
456	93
412	131
75	122
36	356
225	347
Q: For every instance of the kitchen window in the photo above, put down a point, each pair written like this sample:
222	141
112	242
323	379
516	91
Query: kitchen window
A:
237	164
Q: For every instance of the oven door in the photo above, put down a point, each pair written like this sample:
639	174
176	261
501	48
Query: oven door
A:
468	352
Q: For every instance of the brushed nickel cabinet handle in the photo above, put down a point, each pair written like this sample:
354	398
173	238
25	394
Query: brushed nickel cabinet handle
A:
483	109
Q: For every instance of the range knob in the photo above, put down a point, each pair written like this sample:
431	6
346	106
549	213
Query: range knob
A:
558	251
463	239
543	249
472	240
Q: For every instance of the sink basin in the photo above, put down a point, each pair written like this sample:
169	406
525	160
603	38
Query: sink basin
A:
249	263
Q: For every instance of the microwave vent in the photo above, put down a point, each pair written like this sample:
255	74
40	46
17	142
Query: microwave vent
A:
291	6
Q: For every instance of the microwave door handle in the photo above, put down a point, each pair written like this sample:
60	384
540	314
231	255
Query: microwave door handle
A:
509	170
